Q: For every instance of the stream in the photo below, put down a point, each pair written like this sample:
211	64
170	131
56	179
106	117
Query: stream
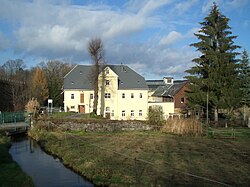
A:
44	169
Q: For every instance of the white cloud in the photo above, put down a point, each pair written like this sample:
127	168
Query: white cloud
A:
132	32
152	5
172	37
59	27
182	7
152	61
60	31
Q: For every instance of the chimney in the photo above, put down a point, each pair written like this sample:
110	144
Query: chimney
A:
168	80
123	69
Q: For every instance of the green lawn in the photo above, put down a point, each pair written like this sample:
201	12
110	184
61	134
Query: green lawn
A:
72	115
10	173
151	158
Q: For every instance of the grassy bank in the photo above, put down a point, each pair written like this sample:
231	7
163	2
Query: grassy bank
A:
10	173
151	158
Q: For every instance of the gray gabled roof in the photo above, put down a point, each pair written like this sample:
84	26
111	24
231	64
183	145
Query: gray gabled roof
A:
154	84
165	90
78	78
128	78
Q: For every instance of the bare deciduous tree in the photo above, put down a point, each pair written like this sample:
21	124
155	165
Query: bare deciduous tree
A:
96	51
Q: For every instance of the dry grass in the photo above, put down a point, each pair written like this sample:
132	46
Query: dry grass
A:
183	127
224	160
32	106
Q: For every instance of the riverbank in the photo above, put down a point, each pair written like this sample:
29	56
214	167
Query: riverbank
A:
10	172
150	158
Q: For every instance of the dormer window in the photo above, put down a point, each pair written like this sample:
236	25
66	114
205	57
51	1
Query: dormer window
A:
80	72
168	80
72	82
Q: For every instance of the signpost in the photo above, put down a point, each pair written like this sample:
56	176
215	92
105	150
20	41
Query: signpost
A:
50	105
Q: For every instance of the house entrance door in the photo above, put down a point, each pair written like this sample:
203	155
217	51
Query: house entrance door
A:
81	108
107	115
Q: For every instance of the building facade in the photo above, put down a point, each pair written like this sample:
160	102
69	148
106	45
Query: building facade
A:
122	95
168	93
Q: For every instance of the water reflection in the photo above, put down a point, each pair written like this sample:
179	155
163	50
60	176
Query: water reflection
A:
43	168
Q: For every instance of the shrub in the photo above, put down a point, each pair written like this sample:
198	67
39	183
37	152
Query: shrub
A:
156	117
32	106
183	126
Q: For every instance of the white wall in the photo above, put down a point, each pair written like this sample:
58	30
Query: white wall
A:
69	103
167	107
136	104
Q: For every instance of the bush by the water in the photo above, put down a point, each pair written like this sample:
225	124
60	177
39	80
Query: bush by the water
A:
32	106
183	126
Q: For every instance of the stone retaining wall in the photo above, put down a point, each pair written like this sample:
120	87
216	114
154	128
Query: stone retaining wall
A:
97	126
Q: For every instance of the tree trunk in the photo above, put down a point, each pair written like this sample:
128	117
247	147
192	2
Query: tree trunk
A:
103	94
95	49
216	114
95	99
244	113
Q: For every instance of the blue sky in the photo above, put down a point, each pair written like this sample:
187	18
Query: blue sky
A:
151	36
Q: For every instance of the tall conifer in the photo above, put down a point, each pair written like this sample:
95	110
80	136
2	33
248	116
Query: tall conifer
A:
245	78
215	74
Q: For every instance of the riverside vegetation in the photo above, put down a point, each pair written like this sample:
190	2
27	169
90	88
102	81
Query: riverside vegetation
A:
10	173
148	158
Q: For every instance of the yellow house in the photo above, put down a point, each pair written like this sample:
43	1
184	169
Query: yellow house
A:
124	95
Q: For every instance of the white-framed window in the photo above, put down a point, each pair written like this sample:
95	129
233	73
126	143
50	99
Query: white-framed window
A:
107	95
107	71
123	95
123	113
132	95
140	112
107	109
132	113
91	96
113	113
72	96
72	107
107	82
140	95
182	100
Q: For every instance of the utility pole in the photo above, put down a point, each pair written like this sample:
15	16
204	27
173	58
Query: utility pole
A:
207	108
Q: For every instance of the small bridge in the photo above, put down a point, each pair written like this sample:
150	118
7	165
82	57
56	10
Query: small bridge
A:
14	123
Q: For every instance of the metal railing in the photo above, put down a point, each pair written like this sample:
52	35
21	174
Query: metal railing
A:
12	117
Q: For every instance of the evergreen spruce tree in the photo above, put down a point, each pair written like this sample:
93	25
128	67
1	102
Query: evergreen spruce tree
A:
245	78
215	74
